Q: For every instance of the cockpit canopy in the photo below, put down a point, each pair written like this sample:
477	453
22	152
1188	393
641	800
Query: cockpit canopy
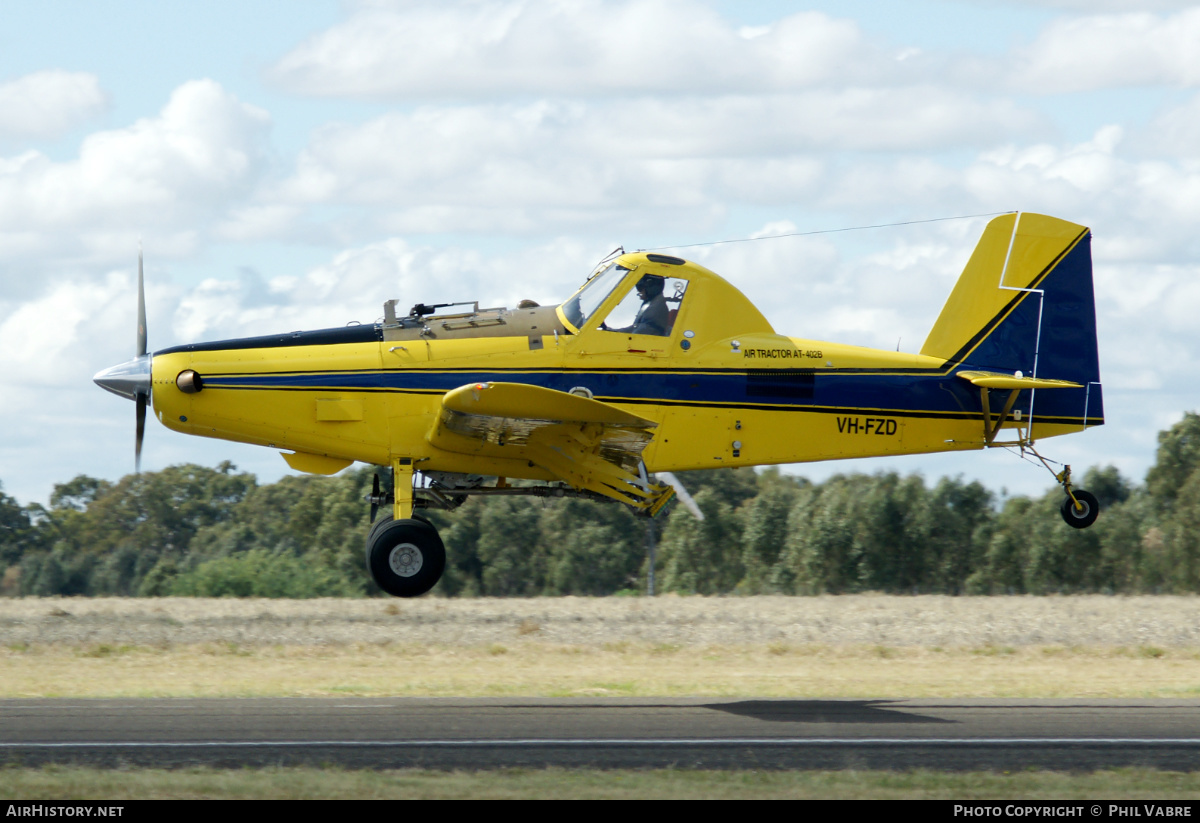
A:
650	307
611	301
676	298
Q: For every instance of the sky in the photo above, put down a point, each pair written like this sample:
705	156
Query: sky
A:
292	165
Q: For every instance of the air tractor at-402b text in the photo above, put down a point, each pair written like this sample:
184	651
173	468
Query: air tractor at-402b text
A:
654	365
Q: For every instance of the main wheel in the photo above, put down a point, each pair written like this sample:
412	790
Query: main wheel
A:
1084	517
383	522
406	558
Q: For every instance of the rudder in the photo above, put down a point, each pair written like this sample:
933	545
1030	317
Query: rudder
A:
1025	303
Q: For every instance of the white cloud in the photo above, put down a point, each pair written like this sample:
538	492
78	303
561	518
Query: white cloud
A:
578	48
1141	209
167	174
1093	6
259	221
46	104
550	167
56	422
353	285
1107	51
54	342
1174	132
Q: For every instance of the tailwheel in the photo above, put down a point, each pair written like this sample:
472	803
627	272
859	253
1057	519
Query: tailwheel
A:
1080	512
1081	508
406	558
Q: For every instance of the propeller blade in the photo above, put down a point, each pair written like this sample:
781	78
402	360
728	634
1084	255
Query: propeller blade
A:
141	319
141	432
682	493
374	498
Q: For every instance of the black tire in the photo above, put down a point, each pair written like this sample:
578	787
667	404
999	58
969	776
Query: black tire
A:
406	558
376	526
387	518
1081	519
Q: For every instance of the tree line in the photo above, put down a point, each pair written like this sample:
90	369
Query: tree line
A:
192	530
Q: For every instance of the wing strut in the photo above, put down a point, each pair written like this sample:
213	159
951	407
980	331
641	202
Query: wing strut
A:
990	430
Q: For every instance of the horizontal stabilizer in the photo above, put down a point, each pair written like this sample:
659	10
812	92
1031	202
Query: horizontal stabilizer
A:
996	380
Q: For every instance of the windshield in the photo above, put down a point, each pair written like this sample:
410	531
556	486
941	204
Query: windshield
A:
585	302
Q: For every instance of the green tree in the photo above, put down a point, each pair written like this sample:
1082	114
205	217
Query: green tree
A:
460	531
702	557
890	535
766	528
1182	539
958	519
1122	530
260	573
119	532
19	532
591	548
731	487
322	519
510	549
1002	568
78	494
1109	486
1177	459
829	553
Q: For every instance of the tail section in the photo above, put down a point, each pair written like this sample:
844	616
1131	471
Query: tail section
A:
1025	303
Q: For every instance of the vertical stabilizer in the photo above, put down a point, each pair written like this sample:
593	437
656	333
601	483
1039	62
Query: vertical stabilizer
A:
1025	303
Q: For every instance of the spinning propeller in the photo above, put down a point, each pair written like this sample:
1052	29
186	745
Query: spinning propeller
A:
132	378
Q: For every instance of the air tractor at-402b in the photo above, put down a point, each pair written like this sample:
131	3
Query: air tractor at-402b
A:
654	365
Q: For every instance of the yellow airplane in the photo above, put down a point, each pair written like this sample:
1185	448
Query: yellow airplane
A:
654	365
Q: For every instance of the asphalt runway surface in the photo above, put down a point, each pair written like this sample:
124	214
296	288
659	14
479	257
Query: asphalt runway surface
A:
461	733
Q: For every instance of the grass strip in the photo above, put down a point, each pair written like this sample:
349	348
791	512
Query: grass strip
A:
69	783
528	667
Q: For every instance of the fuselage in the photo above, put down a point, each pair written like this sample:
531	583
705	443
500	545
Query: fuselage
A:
724	388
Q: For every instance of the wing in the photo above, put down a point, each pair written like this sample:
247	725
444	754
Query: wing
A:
583	442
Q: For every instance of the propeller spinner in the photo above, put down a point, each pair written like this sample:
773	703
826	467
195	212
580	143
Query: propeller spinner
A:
132	378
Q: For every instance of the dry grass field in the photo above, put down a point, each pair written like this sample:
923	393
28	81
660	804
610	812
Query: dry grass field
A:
851	646
63	783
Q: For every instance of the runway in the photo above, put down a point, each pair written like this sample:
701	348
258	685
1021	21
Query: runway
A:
446	733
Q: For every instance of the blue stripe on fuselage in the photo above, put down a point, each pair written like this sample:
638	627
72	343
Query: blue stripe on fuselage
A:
914	394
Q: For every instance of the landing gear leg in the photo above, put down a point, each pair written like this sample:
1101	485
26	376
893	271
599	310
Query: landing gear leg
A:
405	556
402	479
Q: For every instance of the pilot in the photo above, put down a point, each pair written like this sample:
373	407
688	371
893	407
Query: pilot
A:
652	317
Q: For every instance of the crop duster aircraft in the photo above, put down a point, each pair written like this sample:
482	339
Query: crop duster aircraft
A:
654	365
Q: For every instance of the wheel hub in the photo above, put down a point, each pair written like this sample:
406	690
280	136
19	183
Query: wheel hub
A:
406	560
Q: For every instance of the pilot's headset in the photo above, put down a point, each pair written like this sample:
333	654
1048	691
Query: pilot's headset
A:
650	286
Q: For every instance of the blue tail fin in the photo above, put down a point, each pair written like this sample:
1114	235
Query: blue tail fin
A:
1025	303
